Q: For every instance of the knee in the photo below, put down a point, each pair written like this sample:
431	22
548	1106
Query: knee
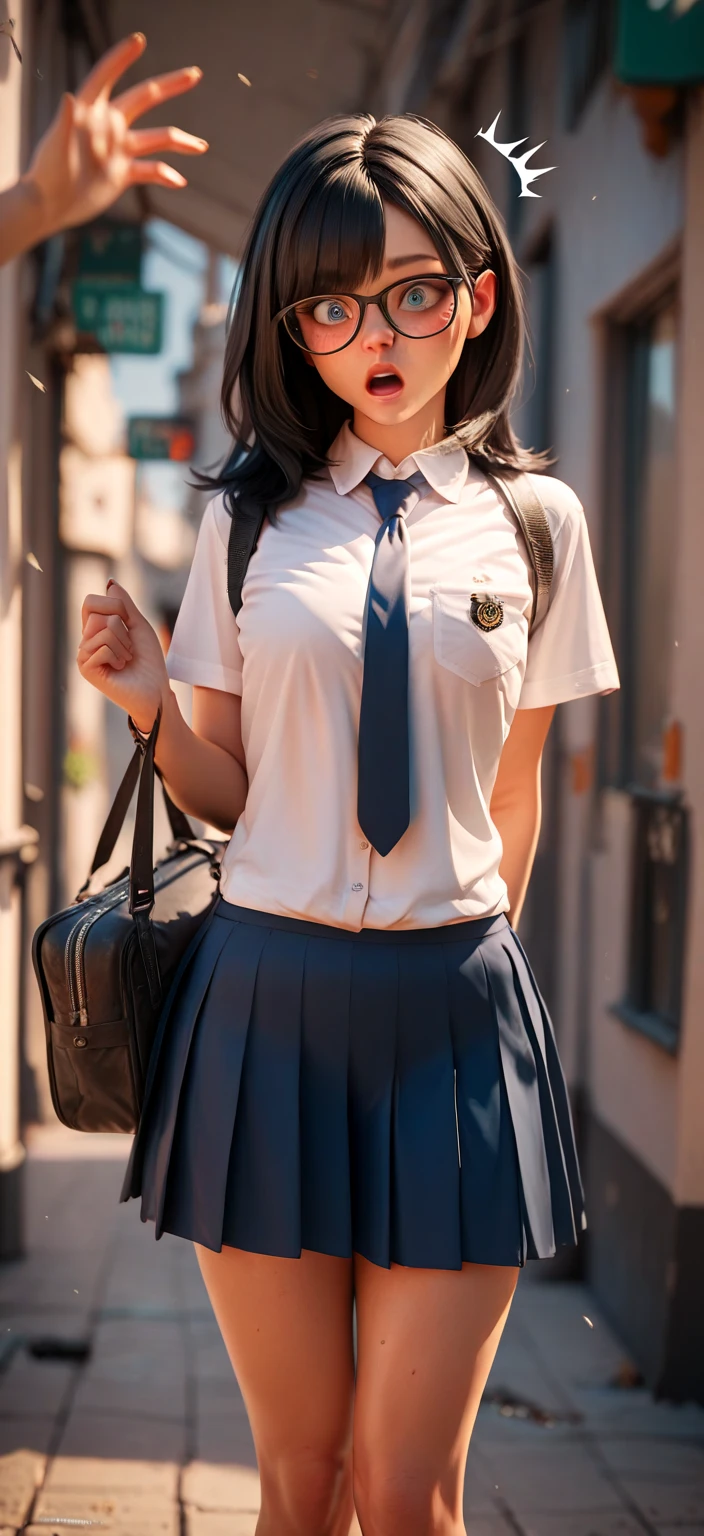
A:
402	1501
306	1493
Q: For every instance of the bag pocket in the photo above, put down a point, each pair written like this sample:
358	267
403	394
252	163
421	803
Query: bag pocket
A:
93	1076
477	655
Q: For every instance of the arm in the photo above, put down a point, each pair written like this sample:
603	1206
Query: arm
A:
203	767
515	802
89	153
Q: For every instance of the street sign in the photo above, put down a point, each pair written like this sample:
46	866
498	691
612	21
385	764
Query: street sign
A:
121	317
660	42
161	437
111	250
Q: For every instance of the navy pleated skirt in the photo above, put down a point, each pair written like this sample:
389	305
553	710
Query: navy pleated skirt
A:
395	1094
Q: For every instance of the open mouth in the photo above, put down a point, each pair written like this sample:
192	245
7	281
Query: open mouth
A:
384	382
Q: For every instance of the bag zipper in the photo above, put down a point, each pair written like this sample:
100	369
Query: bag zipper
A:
75	948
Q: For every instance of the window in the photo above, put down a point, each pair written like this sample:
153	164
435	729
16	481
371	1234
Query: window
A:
641	536
639	587
588	45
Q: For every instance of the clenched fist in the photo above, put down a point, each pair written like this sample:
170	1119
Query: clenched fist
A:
120	654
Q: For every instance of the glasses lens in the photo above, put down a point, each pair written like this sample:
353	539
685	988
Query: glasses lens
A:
422	307
324	324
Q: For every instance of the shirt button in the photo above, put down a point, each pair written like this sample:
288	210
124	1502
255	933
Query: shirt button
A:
358	886
364	845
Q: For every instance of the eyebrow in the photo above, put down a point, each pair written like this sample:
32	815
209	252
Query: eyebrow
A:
403	261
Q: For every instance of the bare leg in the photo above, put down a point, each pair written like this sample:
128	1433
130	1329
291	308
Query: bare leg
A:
426	1340
287	1326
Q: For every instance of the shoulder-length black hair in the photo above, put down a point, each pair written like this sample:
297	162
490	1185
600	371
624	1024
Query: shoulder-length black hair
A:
320	227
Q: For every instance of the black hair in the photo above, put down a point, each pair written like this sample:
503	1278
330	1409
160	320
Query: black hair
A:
320	227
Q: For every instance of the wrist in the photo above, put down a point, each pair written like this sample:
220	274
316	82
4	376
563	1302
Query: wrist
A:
143	720
35	213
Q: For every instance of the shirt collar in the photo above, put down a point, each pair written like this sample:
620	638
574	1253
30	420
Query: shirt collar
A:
349	459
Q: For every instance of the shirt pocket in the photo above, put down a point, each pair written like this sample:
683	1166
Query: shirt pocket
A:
479	656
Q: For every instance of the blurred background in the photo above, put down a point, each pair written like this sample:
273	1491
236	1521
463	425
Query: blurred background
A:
112	339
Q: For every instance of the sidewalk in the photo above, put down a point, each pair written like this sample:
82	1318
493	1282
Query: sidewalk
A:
149	1437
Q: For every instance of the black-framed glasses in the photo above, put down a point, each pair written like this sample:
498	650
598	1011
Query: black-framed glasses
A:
413	306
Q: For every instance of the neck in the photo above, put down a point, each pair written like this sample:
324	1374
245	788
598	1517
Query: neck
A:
399	439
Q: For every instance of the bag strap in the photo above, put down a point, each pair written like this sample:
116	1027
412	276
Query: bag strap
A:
242	542
522	499
180	825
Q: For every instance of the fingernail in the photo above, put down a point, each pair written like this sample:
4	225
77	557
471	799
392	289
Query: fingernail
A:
139	37
110	582
195	72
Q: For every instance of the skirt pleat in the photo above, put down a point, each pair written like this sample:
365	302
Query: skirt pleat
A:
426	1172
326	1207
166	1091
520	1074
492	1227
263	1195
198	1168
568	1193
397	1095
372	1066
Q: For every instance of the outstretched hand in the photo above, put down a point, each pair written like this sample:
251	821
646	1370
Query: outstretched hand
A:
90	153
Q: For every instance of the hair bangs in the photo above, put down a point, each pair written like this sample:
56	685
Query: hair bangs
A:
335	241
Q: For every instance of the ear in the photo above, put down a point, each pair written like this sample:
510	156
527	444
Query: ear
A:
483	303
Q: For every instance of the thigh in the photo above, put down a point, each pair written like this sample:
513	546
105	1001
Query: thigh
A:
426	1340
287	1327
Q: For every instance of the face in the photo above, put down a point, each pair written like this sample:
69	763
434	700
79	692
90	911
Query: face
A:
390	379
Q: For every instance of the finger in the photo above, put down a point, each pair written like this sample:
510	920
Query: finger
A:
100	655
150	93
154	141
131	614
90	644
154	172
108	69
97	625
96	603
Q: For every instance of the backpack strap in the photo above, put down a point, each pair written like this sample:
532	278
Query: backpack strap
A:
243	540
522	499
519	495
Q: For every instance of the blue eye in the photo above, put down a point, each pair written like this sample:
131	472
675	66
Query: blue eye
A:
415	298
330	312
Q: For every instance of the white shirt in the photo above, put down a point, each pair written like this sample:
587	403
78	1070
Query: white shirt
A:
295	656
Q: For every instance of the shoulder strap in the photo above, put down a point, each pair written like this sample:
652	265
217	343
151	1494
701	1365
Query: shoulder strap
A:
244	536
523	501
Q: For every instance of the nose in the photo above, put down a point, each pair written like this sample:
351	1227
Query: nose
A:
376	331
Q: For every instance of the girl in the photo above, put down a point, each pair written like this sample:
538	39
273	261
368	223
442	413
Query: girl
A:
359	1094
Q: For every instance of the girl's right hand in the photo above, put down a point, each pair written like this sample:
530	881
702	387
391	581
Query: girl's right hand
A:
120	654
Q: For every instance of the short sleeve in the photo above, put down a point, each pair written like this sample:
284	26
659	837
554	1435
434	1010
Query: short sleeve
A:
570	653
204	646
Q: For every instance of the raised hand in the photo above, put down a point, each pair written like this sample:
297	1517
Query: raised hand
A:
91	153
120	655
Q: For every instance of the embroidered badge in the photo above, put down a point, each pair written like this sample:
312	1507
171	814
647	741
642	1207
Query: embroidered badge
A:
487	611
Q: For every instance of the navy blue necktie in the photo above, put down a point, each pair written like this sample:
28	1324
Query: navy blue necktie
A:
383	803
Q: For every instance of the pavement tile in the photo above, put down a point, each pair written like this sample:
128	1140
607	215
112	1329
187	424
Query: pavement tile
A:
223	1439
32	1435
655	1460
123	1436
667	1503
533	1479
30	1387
20	1475
216	1488
603	1524
136	1367
95	1474
207	1523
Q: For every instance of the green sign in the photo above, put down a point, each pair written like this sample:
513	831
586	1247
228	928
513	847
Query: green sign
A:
660	42
122	318
161	437
111	250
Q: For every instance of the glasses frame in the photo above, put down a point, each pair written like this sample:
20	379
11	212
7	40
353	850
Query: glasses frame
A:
364	300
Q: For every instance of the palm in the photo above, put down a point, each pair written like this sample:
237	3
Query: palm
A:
91	154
